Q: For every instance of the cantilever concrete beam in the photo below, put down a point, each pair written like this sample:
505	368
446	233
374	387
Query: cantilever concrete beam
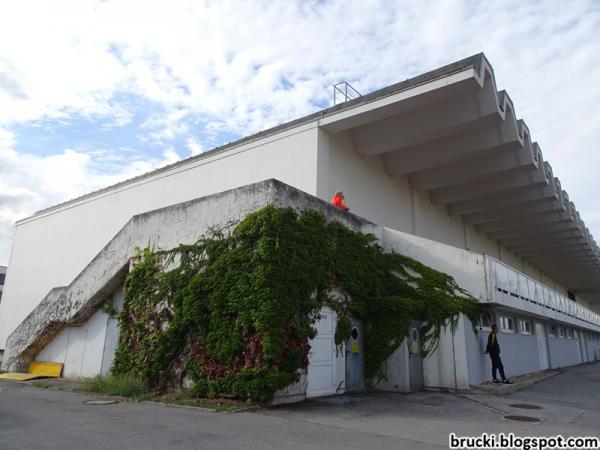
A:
588	260
528	221
482	166
428	123
493	185
545	240
519	211
521	197
528	231
518	250
550	252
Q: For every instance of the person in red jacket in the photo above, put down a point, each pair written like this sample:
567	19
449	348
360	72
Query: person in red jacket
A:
338	200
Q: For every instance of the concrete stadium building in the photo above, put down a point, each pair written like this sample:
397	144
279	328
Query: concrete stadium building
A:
438	167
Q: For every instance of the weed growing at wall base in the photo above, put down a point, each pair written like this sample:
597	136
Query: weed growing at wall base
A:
122	385
232	315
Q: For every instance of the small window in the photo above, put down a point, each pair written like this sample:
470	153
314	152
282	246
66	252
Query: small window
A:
570	334
561	332
525	327
552	331
507	324
2	278
485	322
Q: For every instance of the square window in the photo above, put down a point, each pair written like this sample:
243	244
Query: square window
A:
552	330
561	332
570	334
485	322
525	327
507	324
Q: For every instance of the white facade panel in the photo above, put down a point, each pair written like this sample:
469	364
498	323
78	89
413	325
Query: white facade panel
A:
466	267
75	351
94	345
112	335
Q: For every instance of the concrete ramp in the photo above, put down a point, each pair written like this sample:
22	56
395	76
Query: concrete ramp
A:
164	228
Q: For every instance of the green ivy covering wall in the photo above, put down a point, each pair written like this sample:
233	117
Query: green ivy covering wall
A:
234	313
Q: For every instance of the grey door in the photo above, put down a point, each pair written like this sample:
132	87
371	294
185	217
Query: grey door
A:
415	359
355	358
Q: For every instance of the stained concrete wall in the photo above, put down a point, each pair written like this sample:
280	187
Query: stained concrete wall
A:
396	369
51	248
467	268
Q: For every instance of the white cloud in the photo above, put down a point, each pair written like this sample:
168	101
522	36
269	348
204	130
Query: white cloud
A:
31	182
193	146
240	67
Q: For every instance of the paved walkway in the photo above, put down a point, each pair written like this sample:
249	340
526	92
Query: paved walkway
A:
32	417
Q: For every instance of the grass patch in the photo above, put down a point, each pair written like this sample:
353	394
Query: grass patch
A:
185	398
122	385
132	387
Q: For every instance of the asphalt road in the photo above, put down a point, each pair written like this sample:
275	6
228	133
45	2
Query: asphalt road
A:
31	417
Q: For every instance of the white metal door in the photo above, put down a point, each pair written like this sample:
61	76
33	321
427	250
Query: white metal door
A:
323	370
540	332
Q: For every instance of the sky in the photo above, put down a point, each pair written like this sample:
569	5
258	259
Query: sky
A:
95	92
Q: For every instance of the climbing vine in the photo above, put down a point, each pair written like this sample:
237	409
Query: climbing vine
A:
232	315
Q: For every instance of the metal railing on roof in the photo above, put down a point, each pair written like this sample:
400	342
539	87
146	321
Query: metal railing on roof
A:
343	92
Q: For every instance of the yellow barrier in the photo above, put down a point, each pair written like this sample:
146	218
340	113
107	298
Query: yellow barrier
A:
36	369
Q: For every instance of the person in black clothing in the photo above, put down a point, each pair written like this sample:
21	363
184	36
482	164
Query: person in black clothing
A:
493	349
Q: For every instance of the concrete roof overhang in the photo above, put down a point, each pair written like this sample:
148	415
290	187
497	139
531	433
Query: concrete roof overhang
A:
454	135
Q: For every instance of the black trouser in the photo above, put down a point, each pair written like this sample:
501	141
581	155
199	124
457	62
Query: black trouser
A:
497	365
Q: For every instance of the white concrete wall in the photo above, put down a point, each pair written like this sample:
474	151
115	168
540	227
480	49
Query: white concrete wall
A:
563	352
50	249
370	192
467	268
447	367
